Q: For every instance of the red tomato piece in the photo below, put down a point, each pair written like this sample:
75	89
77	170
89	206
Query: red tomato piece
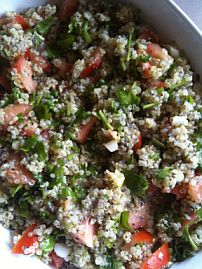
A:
85	130
180	190
25	74
137	145
157	84
63	66
138	217
195	189
192	219
141	237
26	241
152	188
57	261
67	9
94	63
45	134
86	234
146	67
149	35
22	21
156	51
159	259
18	173
29	128
40	61
11	111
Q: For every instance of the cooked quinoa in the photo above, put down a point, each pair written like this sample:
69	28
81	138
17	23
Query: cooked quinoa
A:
101	141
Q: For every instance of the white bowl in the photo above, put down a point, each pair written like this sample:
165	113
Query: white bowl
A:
172	24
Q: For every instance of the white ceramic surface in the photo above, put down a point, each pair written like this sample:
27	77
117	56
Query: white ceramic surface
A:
172	25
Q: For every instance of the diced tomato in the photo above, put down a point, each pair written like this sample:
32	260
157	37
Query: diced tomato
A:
146	67
93	64
152	188
29	128
26	241
156	51
40	61
138	216
63	67
22	21
195	189
27	54
67	9
45	134
85	130
189	221
57	261
157	84
159	259
141	237
25	74
18	173
86	234
180	190
148	35
11	111
137	145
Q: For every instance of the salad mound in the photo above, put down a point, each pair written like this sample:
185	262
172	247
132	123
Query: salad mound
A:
100	141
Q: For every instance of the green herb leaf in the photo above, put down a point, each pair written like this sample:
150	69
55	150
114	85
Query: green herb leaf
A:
161	174
124	220
53	51
149	106
136	183
199	213
38	39
189	238
104	120
47	244
112	264
29	144
14	190
43	27
142	59
157	142
42	111
66	43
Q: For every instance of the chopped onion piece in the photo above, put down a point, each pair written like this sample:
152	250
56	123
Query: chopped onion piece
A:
112	145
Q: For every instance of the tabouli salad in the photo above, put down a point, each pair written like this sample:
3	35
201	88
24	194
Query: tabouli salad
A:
100	139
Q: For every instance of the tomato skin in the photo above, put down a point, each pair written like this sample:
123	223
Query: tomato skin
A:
25	240
193	217
180	191
146	67
195	189
18	173
149	35
157	84
138	145
156	51
29	129
155	261
39	60
20	20
94	63
45	134
85	130
67	9
141	237
25	74
138	216
11	111
57	261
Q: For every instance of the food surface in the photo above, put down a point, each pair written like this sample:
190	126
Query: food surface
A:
101	139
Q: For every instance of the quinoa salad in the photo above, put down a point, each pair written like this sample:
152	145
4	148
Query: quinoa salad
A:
101	139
